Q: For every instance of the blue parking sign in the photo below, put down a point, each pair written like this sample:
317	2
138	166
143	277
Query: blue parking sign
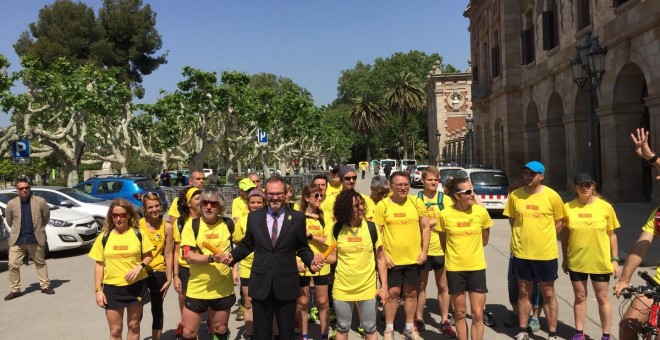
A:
262	137
20	148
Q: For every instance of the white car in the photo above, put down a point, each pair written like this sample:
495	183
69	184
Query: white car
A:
492	186
416	175
75	199
66	229
4	239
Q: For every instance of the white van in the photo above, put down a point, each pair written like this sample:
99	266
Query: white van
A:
391	162
405	163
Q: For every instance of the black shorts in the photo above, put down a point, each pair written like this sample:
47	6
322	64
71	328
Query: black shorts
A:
119	297
202	305
471	281
535	270
245	282
577	276
403	275
184	276
319	280
434	263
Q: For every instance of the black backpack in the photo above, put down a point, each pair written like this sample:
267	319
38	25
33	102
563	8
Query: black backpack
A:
104	240
195	227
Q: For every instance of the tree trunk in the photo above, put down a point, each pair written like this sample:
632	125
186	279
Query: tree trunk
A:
404	122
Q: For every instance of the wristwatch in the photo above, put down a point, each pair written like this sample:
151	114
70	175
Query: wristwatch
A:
653	159
211	258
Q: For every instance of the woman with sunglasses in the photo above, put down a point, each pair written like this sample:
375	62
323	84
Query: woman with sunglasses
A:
188	208
256	200
355	275
435	201
464	230
152	226
590	249
317	231
122	256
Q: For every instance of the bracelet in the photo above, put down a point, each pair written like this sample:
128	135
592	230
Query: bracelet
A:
143	265
653	159
98	289
210	258
616	258
175	274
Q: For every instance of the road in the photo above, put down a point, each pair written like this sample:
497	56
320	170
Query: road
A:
72	311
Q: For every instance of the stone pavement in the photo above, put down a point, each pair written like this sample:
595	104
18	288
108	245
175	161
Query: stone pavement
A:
72	312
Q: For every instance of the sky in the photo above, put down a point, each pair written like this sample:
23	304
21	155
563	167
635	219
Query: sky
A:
310	42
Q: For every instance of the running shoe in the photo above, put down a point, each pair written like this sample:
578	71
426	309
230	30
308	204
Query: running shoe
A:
452	320
388	335
489	319
360	331
240	315
332	334
419	324
513	321
411	334
554	337
313	315
522	336
578	336
446	329
605	337
178	333
332	317
534	324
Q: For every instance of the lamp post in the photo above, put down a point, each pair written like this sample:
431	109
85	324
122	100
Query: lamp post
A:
588	69
469	140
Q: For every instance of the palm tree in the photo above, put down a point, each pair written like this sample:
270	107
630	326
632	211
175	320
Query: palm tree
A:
404	95
367	114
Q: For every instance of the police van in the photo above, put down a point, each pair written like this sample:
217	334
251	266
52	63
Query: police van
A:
492	186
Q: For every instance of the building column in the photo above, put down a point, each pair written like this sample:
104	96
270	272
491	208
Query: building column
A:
551	137
577	160
653	105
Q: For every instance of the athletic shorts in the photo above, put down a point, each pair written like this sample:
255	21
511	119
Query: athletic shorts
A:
471	281
319	280
434	263
202	305
539	270
577	276
403	275
184	276
119	297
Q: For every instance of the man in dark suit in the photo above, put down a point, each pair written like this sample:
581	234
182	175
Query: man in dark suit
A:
276	234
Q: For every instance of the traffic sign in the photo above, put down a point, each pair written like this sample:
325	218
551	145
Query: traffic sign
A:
262	137
20	148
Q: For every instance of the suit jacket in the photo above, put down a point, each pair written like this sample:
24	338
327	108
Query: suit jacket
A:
40	216
274	266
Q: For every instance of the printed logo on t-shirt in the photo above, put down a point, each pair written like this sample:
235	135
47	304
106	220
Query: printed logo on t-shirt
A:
532	207
212	236
120	247
463	224
355	239
584	215
402	214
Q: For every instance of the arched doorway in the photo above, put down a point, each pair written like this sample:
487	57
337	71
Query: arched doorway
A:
532	134
554	137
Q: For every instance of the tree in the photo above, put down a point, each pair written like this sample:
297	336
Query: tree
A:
367	115
404	95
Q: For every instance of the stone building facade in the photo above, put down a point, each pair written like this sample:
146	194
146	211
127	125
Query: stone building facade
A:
448	101
527	105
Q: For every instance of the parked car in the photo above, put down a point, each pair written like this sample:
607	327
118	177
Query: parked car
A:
75	199
405	163
383	162
66	229
4	239
447	172
416	175
129	187
492	186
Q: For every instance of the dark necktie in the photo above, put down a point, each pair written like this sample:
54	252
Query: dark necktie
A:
273	234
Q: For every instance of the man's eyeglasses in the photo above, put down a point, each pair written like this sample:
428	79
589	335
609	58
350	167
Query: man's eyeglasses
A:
318	196
275	194
402	185
213	204
119	215
466	191
23	188
350	178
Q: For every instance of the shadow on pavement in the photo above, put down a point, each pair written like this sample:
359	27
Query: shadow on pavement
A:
54	284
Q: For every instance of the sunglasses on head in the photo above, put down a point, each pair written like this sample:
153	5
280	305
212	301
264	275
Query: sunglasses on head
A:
119	215
466	191
213	204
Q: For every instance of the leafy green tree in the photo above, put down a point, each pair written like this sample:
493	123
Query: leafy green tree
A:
367	115
404	96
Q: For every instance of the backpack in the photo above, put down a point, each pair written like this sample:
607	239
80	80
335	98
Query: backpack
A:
104	240
336	229
228	221
420	195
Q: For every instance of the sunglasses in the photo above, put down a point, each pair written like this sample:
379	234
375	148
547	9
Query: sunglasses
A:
213	204
23	188
318	196
350	178
120	215
586	185
467	192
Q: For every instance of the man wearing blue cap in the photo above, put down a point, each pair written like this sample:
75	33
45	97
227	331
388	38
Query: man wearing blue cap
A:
535	214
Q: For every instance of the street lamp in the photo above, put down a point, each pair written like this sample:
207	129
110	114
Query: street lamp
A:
588	68
470	140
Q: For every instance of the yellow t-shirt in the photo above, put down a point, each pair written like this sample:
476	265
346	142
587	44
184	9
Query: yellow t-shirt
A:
174	208
402	236
650	227
315	228
121	254
245	269
332	190
208	280
328	206
176	235
239	207
589	243
464	229
355	275
433	210
157	238
533	236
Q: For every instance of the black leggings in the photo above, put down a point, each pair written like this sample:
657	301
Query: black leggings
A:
155	282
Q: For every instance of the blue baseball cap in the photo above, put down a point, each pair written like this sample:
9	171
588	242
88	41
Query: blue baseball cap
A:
535	166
